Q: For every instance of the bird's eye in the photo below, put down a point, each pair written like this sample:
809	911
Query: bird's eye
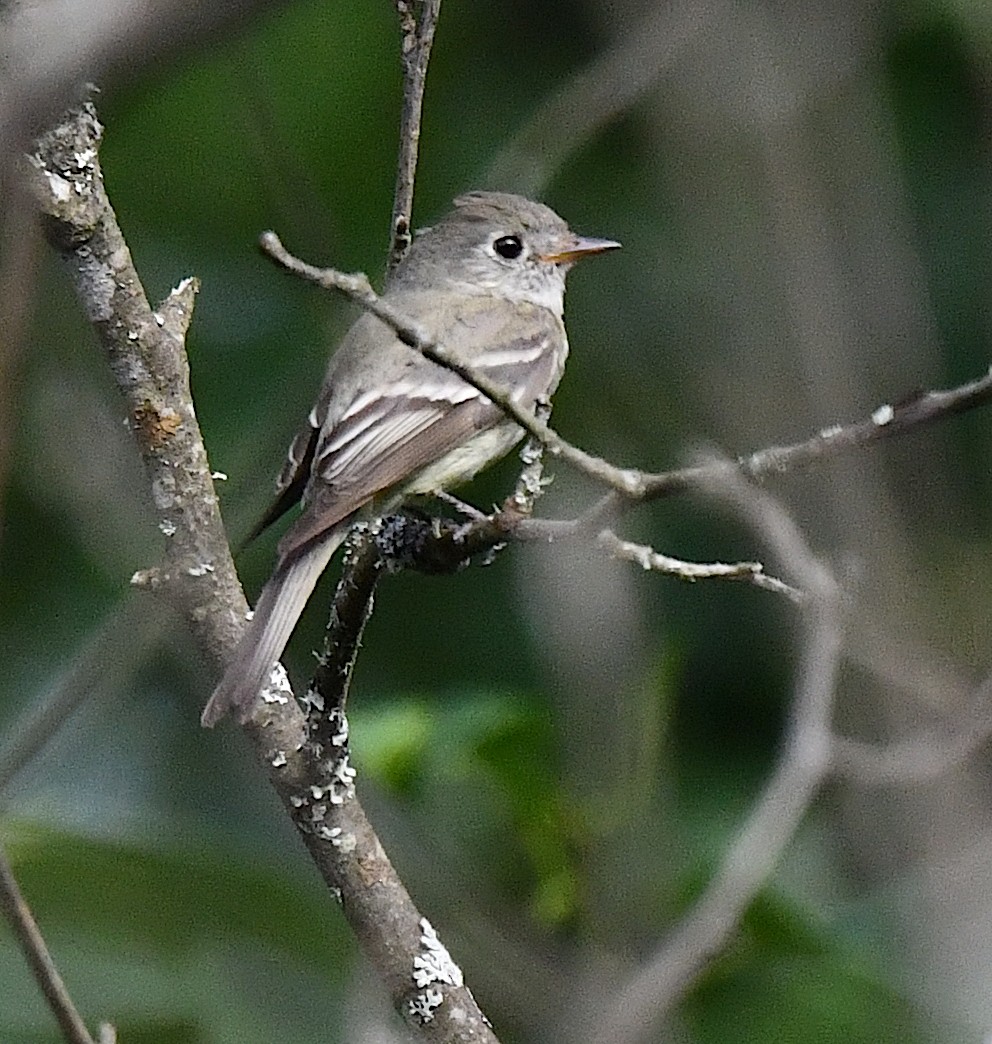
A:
509	247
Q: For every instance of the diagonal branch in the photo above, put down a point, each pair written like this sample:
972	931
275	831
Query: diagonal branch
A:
358	288
25	929
886	422
145	349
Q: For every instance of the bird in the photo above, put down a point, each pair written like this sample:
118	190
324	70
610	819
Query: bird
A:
487	282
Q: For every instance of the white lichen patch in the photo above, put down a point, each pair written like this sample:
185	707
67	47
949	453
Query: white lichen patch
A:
167	527
832	432
278	690
278	759
341	839
340	736
60	188
434	964
312	700
343	785
424	1004
164	491
200	569
883	415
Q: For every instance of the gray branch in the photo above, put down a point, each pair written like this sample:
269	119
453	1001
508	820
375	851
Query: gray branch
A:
418	21
656	987
146	352
14	907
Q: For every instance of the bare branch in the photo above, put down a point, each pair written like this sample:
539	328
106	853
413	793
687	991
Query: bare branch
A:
357	287
415	53
804	763
110	657
572	115
32	945
887	421
647	558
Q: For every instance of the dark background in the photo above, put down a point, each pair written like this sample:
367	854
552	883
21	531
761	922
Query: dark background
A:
556	748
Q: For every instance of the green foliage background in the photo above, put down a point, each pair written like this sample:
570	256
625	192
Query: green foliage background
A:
556	751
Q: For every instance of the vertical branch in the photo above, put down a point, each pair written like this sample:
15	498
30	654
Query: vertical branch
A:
418	38
19	255
352	606
29	938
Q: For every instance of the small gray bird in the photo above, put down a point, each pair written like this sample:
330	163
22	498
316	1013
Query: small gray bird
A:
487	282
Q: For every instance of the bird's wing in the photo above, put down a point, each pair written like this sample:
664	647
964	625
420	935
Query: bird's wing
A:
292	480
393	430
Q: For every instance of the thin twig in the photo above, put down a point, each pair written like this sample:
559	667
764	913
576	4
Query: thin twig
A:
647	558
357	287
887	421
415	52
32	945
350	610
108	659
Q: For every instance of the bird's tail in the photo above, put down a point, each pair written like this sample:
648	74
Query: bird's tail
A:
279	607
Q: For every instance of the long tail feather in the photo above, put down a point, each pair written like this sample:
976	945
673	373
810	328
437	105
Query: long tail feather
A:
279	607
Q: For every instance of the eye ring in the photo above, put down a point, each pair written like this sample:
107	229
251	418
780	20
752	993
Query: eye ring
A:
508	247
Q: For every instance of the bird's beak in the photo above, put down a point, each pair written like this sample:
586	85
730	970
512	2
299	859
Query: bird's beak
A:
578	248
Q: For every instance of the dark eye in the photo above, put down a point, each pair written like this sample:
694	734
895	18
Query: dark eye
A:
509	247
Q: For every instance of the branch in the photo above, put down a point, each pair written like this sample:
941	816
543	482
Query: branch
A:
803	765
647	558
357	287
25	929
146	352
350	611
886	422
109	659
415	53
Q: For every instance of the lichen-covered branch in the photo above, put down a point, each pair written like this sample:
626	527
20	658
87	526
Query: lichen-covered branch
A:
145	349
